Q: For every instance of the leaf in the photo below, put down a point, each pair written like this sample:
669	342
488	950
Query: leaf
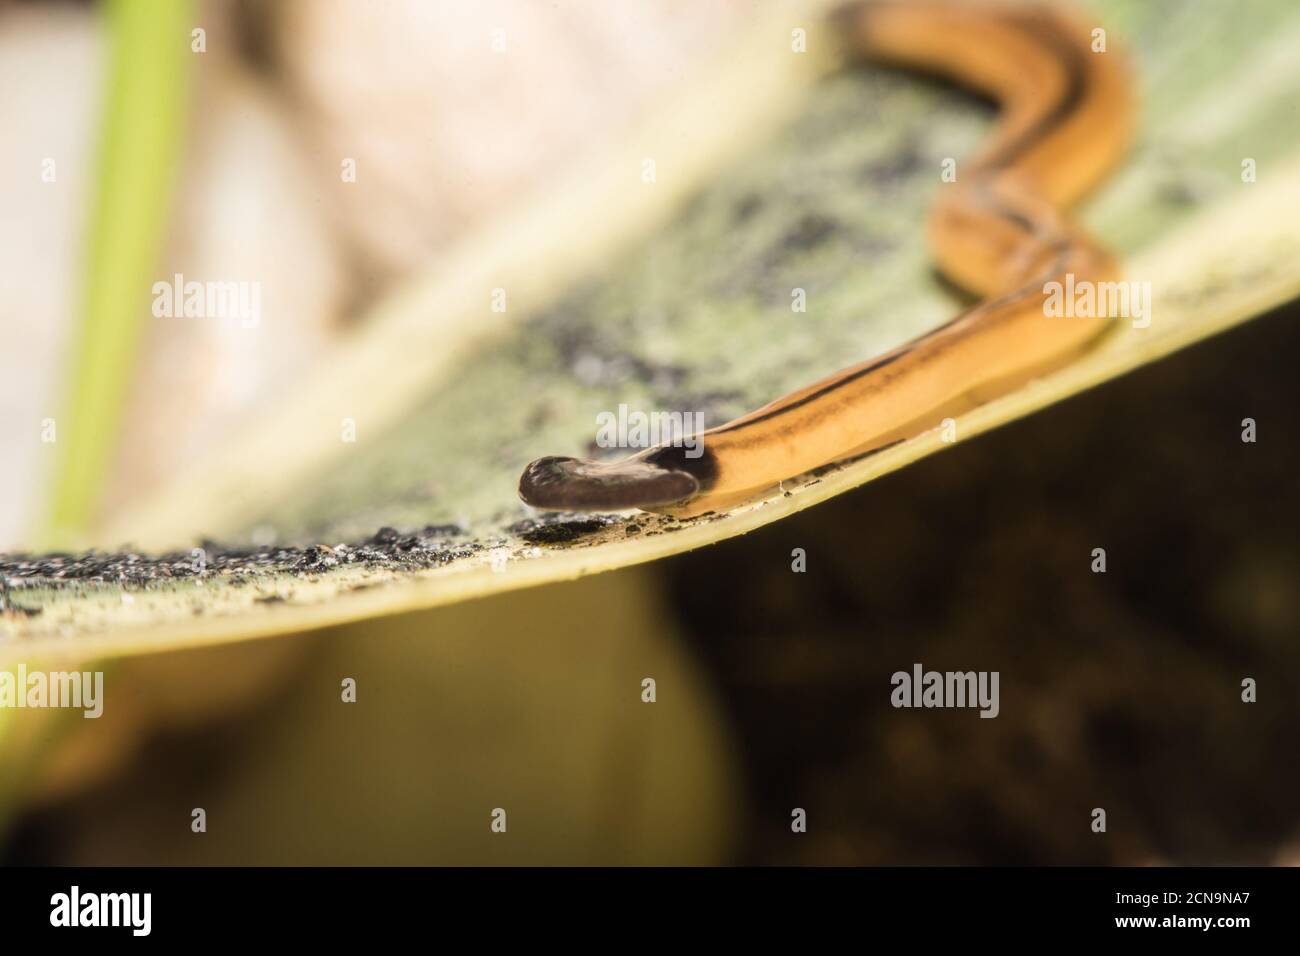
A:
450	400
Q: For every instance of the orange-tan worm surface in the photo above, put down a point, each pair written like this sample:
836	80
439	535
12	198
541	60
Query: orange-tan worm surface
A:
998	231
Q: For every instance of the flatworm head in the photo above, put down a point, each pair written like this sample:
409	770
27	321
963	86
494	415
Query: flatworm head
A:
579	484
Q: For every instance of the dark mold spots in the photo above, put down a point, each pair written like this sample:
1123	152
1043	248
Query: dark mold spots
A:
316	558
890	170
809	231
746	208
597	354
559	529
1180	193
235	566
442	531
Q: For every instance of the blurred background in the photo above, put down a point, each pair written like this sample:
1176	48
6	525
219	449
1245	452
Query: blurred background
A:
1119	690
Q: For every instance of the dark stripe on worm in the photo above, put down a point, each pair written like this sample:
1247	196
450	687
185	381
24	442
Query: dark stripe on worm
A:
1076	72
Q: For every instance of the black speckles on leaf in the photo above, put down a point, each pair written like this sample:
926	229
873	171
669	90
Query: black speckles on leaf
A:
559	529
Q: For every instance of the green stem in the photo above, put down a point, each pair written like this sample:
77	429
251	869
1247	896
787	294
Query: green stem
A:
144	117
